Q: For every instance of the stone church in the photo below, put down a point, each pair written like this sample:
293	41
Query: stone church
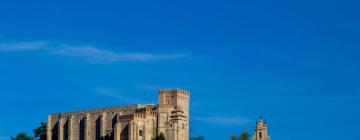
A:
132	122
261	131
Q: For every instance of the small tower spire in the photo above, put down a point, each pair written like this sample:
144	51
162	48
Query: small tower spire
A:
261	130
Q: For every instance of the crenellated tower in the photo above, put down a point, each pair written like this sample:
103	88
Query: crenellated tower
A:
173	113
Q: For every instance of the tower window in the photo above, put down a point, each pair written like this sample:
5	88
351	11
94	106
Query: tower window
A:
260	135
140	133
183	125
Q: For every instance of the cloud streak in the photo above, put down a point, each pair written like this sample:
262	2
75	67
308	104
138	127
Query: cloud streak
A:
88	52
22	46
221	120
91	52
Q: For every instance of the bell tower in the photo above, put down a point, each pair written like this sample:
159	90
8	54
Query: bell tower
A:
261	130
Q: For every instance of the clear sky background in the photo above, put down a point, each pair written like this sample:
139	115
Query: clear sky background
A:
295	62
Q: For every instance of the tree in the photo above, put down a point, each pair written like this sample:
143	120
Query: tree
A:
245	136
40	132
22	136
233	137
198	138
160	137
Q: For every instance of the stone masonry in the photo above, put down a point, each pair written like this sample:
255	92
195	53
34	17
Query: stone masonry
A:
261	131
132	122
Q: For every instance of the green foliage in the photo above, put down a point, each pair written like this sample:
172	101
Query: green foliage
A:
22	136
160	137
198	138
40	132
233	137
245	136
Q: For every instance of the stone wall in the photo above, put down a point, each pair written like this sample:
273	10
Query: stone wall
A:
132	122
91	124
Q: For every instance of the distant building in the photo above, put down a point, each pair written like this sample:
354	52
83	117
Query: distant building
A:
132	122
261	131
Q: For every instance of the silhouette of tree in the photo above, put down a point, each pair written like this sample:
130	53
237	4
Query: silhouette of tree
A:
40	132
22	136
245	136
160	137
233	137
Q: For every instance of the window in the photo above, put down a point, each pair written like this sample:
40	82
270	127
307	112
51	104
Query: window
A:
260	135
183	125
140	133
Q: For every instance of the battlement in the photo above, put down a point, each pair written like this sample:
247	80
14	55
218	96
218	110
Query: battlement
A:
113	110
174	91
136	116
145	109
131	117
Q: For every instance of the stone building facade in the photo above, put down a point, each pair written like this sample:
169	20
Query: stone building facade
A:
261	131
132	122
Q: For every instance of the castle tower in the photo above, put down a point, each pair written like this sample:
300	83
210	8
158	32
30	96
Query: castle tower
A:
173	114
261	131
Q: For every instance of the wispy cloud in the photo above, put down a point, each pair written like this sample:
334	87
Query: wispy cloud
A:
22	46
113	94
221	120
88	52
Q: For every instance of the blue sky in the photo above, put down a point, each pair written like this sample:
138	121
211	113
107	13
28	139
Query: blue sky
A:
295	62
